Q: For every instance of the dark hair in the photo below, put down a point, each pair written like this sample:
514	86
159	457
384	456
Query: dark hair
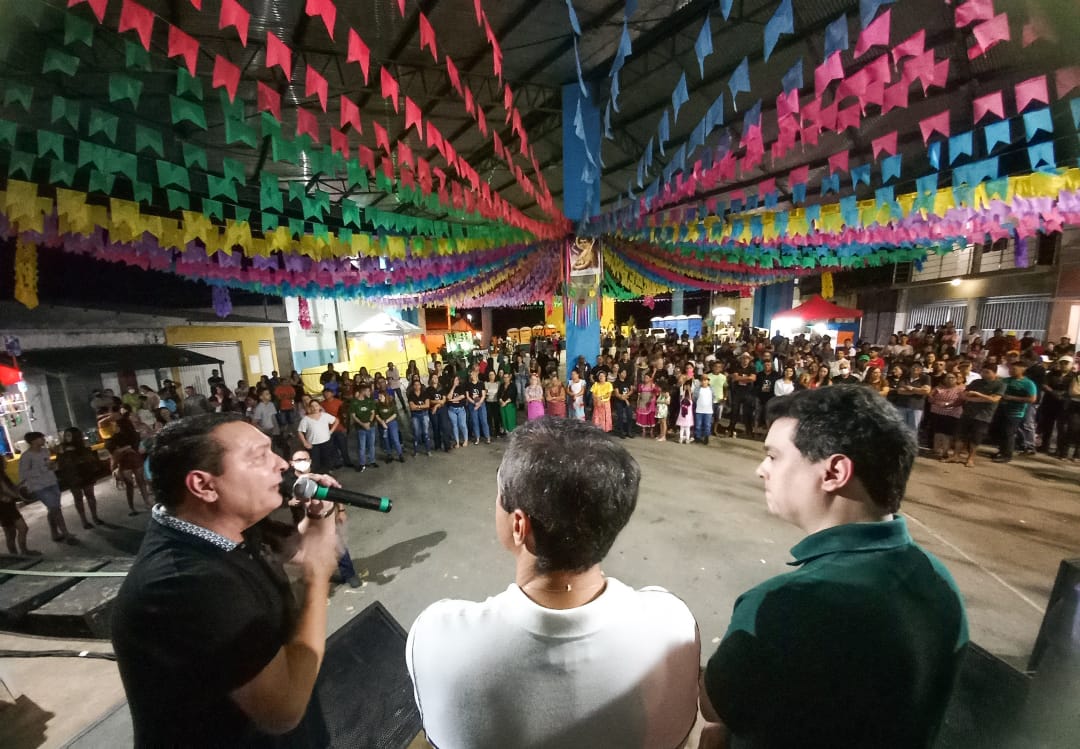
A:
182	447
576	484
31	436
78	438
856	422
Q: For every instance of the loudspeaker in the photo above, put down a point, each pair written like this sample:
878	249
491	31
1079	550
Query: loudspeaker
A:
1062	614
986	705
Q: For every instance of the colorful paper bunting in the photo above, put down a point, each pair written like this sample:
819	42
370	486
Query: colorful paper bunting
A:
185	46
876	34
134	17
226	75
315	85
389	87
327	11
359	53
1031	90
234	15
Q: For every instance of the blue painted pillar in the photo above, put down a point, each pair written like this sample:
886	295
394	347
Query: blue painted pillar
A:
771	300
579	199
677	302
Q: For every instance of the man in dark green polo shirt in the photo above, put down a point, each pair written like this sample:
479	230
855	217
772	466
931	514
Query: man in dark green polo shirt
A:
859	645
362	415
1020	395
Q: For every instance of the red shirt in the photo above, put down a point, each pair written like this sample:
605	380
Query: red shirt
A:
332	406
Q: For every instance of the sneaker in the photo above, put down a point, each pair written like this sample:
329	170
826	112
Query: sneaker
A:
401	458
373	464
361	469
354	582
1000	459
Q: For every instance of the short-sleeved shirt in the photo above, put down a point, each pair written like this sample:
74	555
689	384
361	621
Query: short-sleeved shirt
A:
417	399
285	394
363	409
915	402
1020	387
333	406
623	387
386	411
474	391
317	430
741	388
192	623
858	647
717	381
435	396
983	410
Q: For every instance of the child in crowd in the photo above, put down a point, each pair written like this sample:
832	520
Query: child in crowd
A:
685	420
663	401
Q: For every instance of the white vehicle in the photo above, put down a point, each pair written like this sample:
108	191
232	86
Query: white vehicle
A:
658	333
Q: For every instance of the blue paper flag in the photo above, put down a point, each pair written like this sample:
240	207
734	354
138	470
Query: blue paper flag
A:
740	79
996	133
782	22
836	36
933	153
607	122
960	145
615	91
890	168
884	196
573	18
752	117
869	8
860	174
631	8
649	153
963	175
679	97
813	213
1036	121
771	199
1041	156
927	185
793	79
579	123
1075	106
640	176
663	132
624	50
780	221
580	78
703	46
680	158
798	193
757	226
987	169
849	210
725	8
697	137
830	183
715	115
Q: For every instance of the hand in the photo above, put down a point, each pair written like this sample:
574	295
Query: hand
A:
317	551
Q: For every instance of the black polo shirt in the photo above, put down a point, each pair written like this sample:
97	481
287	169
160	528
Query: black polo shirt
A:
857	648
191	623
741	388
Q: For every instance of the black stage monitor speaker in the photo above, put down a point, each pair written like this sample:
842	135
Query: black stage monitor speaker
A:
364	688
986	704
1062	616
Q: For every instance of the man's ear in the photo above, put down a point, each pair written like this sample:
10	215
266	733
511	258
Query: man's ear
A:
838	473
521	530
200	484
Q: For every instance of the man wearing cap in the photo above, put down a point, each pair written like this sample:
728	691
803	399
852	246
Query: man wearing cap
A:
1019	396
741	380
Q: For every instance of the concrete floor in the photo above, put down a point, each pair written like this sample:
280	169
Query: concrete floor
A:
700	530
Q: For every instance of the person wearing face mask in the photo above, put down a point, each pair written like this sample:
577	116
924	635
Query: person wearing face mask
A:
844	376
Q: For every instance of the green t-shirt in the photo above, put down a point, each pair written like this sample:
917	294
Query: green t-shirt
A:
717	381
386	410
364	410
1018	387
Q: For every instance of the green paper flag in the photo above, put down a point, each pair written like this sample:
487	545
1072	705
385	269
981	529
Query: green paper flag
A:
78	29
188	84
178	201
172	174
232	110
345	236
59	62
284	149
270	222
221	187
213	209
7	132
320	231
296	227
297	191
101	182
242	215
270	126
182	109
142	192
61	173
124	87
123	163
135	57
382	184
88	154
269	194
233	170
18	93
350	213
357	175
103	122
238	131
63	109
22	162
194	156
50	143
146	138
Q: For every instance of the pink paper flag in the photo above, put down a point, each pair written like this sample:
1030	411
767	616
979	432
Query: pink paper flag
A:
886	143
827	72
278	53
799	175
268	100
974	10
98	7
827	118
307	123
939	123
876	34
939	77
234	14
912	46
838	162
879	70
787	104
339	142
381	138
919	68
324	9
390	88
359	53
427	36
1037	28
811	135
896	97
874	94
366	157
405	154
1033	89
182	45
350	114
1065	80
455	77
990	104
412	115
767	186
134	17
811	111
849	117
226	74
989	33
315	85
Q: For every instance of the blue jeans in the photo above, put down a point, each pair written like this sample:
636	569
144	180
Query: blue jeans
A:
365	444
702	425
421	429
391	438
912	417
478	422
458	429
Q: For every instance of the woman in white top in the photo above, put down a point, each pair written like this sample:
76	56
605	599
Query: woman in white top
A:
314	432
577	396
786	385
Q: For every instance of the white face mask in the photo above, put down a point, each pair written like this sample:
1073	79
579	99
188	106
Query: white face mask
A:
302	466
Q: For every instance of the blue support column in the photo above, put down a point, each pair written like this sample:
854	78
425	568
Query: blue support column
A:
579	199
771	300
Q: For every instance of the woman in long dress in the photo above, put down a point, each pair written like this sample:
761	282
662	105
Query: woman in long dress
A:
534	398
646	405
555	396
576	389
601	393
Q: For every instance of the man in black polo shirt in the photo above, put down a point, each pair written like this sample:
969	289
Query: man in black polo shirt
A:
858	647
211	649
621	396
741	379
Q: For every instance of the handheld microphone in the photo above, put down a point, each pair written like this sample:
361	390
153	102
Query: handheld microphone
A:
306	488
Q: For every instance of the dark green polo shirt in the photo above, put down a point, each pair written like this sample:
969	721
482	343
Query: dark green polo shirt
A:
363	409
856	648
